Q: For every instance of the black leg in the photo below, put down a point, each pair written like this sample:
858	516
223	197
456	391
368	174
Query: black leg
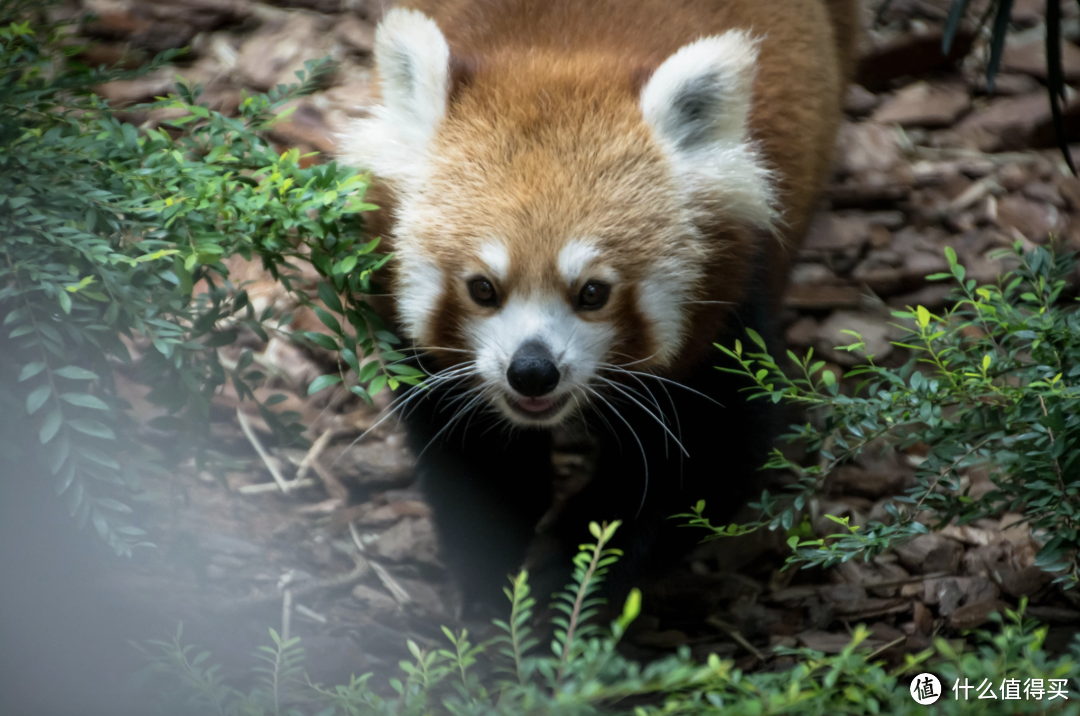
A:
726	441
487	488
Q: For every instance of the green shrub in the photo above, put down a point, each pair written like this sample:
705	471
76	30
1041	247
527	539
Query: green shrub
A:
104	231
585	674
992	384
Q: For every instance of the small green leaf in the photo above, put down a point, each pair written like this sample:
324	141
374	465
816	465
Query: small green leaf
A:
346	265
21	331
329	298
15	315
74	372
377	384
350	360
322	340
93	428
323	381
49	427
84	400
368	371
183	274
756	338
30	370
328	320
631	608
111	504
37	398
950	256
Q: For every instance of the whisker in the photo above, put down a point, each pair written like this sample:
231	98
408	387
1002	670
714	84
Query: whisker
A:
646	396
448	425
428	349
651	414
611	429
633	362
644	455
662	379
439	404
566	346
674	411
412	396
442	430
456	397
488	408
463	395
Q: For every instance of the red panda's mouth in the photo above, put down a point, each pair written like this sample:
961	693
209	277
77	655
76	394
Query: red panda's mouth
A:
538	408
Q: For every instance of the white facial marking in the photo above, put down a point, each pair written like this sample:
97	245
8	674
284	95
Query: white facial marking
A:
419	291
577	346
661	299
494	255
574	258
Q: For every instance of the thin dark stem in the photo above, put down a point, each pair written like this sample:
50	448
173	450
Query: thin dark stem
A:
575	615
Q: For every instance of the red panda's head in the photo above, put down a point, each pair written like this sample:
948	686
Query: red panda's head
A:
557	216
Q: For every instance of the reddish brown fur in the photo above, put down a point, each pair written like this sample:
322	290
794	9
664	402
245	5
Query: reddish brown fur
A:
797	93
536	168
544	138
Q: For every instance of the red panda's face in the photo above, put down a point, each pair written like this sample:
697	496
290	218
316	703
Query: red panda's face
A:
549	226
540	342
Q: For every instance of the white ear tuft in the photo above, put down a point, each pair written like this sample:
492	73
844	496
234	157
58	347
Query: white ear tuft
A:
413	61
697	104
701	94
414	66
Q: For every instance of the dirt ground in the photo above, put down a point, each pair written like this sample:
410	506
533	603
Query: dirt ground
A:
927	158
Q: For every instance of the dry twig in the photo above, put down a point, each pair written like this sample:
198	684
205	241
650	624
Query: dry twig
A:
245	425
737	637
392	585
273	487
313	454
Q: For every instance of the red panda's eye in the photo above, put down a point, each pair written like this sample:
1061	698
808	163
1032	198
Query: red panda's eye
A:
593	295
482	291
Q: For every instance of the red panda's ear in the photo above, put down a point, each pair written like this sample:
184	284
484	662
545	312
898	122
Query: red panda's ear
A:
413	61
697	103
414	66
701	94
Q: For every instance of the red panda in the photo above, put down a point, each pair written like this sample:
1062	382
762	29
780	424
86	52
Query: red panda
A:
586	196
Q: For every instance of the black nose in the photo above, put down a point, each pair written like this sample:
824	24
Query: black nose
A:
532	370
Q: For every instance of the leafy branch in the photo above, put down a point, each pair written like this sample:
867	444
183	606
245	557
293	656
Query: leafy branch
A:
114	241
598	680
989	385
